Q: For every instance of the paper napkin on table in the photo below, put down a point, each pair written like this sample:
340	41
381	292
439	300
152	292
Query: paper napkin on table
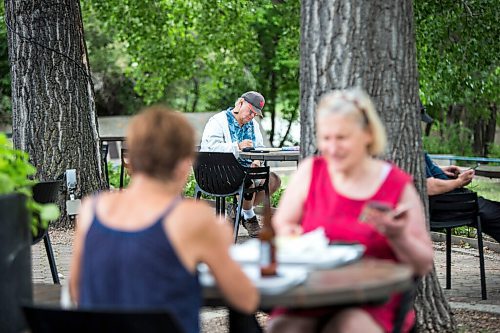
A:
312	242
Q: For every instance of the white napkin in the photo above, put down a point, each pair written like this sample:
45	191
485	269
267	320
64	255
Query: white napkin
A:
311	249
309	244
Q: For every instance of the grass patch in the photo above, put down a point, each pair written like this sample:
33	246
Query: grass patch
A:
486	188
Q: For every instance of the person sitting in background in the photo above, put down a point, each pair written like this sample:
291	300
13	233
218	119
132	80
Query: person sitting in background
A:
139	248
333	191
443	179
233	130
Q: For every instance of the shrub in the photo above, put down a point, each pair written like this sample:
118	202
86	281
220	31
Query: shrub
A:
15	177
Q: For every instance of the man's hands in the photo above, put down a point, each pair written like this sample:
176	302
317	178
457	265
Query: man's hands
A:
451	171
245	144
255	164
463	178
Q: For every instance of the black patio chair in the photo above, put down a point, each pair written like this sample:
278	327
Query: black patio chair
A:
456	209
43	319
221	175
47	192
405	306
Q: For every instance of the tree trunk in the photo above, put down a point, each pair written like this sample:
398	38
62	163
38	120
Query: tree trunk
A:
484	132
371	44
54	117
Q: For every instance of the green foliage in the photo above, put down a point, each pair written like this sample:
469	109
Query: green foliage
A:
114	180
201	55
15	173
275	198
458	55
114	92
494	151
453	59
190	186
485	188
454	139
464	231
114	176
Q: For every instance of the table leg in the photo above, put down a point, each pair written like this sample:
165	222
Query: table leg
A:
243	323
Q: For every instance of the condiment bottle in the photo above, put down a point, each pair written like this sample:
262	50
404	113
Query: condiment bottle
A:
267	261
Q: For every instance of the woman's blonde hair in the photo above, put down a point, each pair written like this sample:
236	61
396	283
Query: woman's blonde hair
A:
157	139
355	102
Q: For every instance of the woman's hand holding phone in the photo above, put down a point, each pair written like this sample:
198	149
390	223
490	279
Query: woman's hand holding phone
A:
388	221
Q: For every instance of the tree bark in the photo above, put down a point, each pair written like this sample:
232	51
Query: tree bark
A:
346	43
54	117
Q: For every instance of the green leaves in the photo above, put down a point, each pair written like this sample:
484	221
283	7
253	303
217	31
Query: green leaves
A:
15	173
15	169
458	52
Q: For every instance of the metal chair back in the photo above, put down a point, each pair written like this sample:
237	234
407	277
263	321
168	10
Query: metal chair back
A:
221	175
218	174
56	320
47	192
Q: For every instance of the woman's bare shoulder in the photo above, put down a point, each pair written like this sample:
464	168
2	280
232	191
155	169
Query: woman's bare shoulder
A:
198	221
197	211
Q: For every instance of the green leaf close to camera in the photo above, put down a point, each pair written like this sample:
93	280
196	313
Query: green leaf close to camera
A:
49	212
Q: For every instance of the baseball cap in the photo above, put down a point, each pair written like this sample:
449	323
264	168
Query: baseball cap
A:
256	99
423	115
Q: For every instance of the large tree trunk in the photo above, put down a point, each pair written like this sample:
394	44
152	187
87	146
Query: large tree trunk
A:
53	109
371	44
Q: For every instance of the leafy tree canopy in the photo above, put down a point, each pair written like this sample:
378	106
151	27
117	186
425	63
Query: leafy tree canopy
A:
458	53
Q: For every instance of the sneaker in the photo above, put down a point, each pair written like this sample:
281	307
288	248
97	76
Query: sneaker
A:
252	226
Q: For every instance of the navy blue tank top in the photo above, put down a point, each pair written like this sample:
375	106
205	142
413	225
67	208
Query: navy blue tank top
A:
138	270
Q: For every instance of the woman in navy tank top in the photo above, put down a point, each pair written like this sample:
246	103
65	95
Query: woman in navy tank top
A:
138	248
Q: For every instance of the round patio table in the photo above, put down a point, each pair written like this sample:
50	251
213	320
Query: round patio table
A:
365	281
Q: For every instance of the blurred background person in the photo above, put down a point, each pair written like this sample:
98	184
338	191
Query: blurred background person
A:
232	130
139	248
450	178
334	190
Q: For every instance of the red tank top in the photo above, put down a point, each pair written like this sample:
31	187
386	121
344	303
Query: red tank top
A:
338	215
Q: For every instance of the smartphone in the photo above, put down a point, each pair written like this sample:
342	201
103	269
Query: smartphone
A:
379	205
373	205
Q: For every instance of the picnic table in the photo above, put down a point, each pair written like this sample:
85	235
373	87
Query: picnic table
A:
274	155
488	171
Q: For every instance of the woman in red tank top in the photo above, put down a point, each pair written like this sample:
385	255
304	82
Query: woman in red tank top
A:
332	191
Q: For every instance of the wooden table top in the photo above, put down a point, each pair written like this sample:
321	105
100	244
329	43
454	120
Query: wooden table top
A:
488	171
272	156
112	138
366	281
